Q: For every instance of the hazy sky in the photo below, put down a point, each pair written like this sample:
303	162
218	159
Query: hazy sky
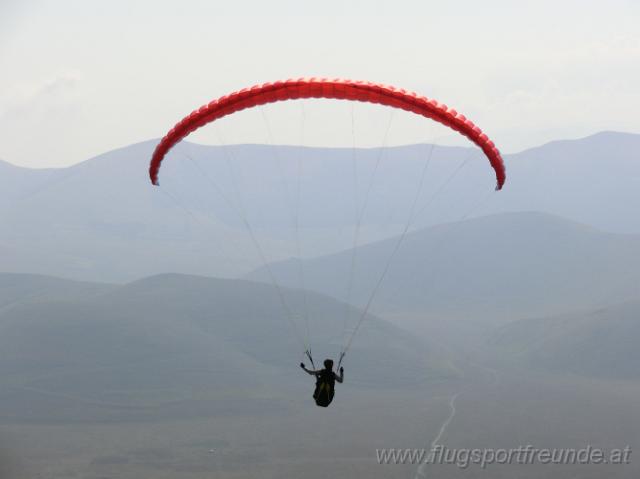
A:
82	77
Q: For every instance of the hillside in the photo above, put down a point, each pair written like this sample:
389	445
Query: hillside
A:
166	345
600	343
29	288
501	267
101	220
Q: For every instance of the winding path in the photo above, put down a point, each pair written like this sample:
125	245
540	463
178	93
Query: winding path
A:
421	472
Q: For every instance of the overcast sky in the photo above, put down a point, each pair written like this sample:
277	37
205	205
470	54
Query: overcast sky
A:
82	77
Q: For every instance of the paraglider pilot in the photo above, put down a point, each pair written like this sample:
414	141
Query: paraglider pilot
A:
325	382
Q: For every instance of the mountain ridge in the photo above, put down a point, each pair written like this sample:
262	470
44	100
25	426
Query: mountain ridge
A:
102	220
504	266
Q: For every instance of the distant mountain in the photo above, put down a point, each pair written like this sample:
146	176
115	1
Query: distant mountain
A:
501	267
178	345
16	182
593	180
28	288
101	220
602	343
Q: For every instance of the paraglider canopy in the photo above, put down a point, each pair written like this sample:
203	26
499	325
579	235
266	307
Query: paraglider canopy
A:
338	89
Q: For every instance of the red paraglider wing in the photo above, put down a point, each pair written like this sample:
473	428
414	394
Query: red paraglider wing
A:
338	89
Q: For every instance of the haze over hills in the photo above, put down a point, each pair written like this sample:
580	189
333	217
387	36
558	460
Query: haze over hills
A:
179	345
603	343
102	221
593	180
16	182
499	268
146	378
28	288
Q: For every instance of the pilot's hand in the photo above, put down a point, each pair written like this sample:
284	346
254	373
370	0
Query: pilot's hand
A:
302	365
